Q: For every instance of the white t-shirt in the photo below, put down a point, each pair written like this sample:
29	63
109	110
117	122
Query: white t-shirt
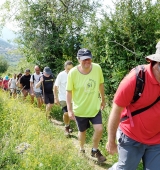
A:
36	80
12	83
61	82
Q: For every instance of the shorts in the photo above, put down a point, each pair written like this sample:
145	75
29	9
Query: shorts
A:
131	152
64	106
83	123
38	94
48	98
13	90
27	91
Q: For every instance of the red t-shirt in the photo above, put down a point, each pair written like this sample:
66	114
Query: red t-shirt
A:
146	125
5	84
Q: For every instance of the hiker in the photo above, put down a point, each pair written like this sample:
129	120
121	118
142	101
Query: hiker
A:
138	135
60	94
18	87
12	86
25	85
5	83
46	83
85	89
1	82
33	81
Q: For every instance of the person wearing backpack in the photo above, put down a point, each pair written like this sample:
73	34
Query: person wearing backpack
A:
33	81
136	125
46	83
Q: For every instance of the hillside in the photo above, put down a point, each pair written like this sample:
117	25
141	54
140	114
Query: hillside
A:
9	52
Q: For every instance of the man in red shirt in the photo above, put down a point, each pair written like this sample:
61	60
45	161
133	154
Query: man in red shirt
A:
138	136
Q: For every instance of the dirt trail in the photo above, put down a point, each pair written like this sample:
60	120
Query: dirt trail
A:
92	162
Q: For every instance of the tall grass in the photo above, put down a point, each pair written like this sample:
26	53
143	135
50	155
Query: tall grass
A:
29	142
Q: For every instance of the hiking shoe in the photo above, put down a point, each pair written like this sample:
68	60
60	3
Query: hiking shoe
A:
97	154
82	151
68	130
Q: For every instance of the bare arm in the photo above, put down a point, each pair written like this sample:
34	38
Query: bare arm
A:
101	90
69	105
31	86
55	90
113	123
39	83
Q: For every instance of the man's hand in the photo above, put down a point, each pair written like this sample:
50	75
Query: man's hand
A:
111	148
56	101
71	115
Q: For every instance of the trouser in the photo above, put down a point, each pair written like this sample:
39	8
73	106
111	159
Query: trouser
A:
131	152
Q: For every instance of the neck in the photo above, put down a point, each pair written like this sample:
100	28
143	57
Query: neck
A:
84	70
156	72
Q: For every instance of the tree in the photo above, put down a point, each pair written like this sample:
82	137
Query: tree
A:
122	38
49	29
3	65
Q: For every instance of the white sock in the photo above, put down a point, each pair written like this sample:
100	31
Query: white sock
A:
93	149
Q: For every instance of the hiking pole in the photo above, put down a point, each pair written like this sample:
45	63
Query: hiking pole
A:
44	96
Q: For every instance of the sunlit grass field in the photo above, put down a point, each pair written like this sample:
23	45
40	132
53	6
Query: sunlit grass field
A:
30	142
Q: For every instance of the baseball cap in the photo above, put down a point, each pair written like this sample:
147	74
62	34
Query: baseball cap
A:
47	70
156	56
27	70
84	54
6	77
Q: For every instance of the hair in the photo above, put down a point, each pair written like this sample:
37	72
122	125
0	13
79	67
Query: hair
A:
153	63
68	63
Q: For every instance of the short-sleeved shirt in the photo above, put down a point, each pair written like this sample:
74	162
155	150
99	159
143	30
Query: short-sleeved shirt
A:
25	81
48	83
61	82
85	91
35	79
146	126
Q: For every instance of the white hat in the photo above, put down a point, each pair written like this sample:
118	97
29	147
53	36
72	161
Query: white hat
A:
156	56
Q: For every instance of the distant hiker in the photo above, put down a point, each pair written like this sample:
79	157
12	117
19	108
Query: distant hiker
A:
46	83
25	85
18	86
33	81
12	86
134	128
1	82
5	83
60	94
85	89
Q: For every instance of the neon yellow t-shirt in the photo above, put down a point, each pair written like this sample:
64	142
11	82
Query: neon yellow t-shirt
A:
85	91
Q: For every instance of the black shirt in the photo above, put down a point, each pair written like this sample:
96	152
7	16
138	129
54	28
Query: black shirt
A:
25	81
48	84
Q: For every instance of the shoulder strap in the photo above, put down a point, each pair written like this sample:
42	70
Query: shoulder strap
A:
33	77
136	112
140	82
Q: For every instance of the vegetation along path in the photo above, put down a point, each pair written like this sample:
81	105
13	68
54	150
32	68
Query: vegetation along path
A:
29	141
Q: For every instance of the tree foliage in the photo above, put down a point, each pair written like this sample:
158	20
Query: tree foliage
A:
3	65
123	38
50	29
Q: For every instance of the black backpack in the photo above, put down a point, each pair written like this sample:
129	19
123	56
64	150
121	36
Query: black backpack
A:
140	83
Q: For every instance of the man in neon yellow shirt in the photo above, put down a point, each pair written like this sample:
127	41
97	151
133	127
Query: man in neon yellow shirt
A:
86	90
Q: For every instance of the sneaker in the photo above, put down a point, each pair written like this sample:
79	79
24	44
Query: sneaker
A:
97	154
82	151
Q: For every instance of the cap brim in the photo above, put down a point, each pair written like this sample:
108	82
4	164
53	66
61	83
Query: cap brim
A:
85	57
48	73
153	57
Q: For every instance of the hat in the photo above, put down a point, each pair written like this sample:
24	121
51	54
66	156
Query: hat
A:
84	54
47	70
6	77
27	70
156	56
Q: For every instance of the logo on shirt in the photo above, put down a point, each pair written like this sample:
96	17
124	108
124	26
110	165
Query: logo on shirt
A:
89	86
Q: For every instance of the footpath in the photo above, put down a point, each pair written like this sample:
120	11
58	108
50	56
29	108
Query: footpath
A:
92	161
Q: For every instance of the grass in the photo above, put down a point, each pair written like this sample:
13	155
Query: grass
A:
44	146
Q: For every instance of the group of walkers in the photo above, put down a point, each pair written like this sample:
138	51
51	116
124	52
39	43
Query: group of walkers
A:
79	90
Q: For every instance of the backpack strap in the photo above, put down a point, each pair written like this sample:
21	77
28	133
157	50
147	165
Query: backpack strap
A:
140	82
136	112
